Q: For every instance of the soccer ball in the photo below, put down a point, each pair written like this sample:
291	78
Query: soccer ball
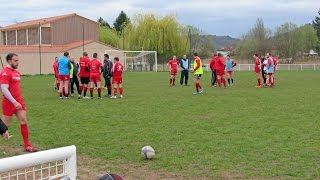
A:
147	152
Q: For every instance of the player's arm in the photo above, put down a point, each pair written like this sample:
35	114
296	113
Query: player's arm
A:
8	95
234	63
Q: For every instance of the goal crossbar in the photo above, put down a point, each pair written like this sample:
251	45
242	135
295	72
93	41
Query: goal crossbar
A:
67	154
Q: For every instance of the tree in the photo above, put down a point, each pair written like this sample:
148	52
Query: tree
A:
121	22
109	36
316	25
257	40
103	23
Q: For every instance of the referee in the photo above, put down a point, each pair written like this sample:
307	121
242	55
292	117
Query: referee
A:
107	74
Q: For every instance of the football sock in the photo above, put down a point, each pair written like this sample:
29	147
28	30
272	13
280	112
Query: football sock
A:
99	92
121	91
91	92
170	81
259	81
173	81
60	94
197	87
232	80
224	82
115	91
25	134
85	89
58	85
219	82
228	80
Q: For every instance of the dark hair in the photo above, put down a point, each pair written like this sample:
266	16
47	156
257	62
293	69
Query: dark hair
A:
219	54
95	55
66	54
228	55
10	55
106	56
256	55
116	58
195	54
215	54
85	54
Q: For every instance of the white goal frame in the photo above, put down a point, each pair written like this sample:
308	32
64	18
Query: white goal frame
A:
125	56
17	166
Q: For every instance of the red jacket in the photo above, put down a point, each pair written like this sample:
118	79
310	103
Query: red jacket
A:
213	63
220	63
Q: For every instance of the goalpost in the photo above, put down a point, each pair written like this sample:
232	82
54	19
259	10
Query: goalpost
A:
52	164
136	60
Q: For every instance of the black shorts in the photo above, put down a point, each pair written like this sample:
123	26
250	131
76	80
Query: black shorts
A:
84	80
197	76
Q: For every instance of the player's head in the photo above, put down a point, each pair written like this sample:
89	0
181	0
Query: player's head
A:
72	59
268	55
85	54
215	55
116	59
13	60
219	54
195	54
66	54
228	56
106	56
184	56
56	58
95	55
255	55
174	57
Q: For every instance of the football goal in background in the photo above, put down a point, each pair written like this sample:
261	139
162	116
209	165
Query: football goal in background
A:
136	60
51	164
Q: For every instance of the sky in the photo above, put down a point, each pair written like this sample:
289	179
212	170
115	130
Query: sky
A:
217	17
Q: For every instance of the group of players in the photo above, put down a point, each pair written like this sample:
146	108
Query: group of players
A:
264	65
67	73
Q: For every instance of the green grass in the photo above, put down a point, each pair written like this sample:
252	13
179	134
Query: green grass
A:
253	133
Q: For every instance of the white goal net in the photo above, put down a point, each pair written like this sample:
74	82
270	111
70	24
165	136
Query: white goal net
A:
52	164
136	60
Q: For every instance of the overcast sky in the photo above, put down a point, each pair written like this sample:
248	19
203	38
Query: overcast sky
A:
219	17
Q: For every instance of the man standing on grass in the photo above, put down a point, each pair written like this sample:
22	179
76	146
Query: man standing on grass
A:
213	70
263	69
270	70
64	67
220	67
84	75
107	74
74	74
95	69
173	66
257	69
56	73
12	101
184	64
117	70
230	64
197	71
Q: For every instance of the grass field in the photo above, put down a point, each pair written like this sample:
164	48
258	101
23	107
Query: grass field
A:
241	132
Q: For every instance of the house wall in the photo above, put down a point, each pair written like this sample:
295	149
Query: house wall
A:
71	29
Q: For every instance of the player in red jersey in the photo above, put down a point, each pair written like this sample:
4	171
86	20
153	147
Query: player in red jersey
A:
173	66
275	62
84	75
95	68
56	73
257	69
117	70
213	70
220	67
12	101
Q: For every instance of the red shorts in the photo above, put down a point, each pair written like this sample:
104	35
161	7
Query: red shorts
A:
173	72
270	74
257	72
116	80
95	77
230	72
64	77
8	108
220	72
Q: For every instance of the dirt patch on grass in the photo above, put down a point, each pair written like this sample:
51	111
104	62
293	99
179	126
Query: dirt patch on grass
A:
92	169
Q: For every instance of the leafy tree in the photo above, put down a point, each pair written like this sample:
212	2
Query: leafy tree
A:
103	23
109	36
316	25
121	22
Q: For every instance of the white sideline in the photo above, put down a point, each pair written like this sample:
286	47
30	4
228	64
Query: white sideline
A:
28	160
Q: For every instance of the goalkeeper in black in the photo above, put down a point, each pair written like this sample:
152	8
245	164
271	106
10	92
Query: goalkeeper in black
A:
107	73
